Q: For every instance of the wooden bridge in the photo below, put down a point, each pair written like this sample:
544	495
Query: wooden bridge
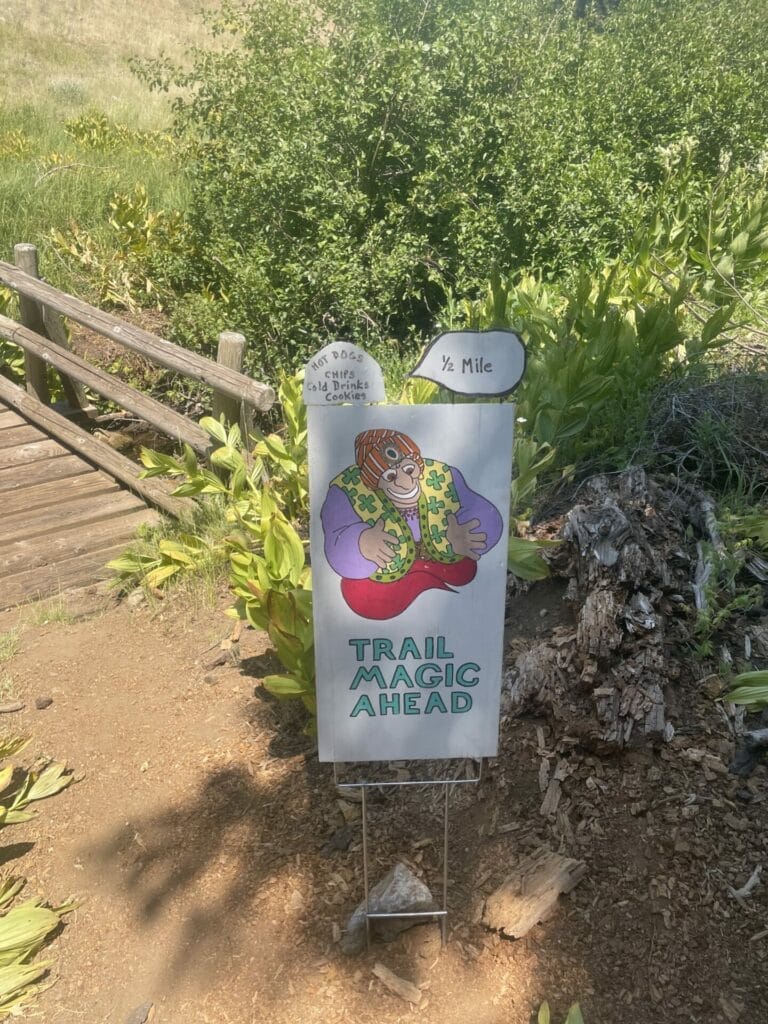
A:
68	501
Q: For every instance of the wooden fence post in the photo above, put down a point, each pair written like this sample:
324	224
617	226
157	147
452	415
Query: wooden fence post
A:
31	315
48	324
230	354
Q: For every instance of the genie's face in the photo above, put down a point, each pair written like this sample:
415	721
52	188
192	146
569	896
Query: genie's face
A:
401	483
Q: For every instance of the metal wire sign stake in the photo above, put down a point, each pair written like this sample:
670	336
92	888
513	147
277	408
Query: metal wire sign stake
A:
447	785
408	526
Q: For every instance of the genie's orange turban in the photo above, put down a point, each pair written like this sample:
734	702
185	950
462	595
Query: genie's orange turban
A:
377	450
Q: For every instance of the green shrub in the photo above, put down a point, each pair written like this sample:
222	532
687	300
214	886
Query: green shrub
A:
24	927
601	344
348	170
121	267
750	689
574	1015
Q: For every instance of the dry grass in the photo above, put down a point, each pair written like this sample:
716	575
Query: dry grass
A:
63	56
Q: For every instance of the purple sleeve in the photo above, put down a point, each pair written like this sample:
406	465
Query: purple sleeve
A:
342	527
474	506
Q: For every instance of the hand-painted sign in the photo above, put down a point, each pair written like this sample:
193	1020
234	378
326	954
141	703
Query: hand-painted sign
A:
342	373
409	519
474	362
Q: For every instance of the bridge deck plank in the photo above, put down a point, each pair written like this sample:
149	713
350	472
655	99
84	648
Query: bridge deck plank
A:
61	520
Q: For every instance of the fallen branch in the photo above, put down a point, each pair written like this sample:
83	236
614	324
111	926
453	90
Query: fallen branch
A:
7	709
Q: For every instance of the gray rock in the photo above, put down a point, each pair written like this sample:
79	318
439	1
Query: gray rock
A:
135	598
340	840
400	891
142	1014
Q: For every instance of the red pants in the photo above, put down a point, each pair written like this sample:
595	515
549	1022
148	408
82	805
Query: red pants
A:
373	600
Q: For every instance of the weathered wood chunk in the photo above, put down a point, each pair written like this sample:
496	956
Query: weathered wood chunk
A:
531	892
404	989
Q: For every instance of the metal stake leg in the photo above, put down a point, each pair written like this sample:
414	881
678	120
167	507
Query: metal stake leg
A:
444	918
365	869
447	785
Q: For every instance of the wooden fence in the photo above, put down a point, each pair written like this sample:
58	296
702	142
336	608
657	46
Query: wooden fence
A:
42	335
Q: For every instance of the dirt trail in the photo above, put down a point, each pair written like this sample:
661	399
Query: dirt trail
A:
196	841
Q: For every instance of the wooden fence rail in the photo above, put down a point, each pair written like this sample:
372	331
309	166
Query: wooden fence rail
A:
65	510
43	338
221	378
178	427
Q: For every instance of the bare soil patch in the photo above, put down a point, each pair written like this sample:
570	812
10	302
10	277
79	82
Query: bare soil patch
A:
200	841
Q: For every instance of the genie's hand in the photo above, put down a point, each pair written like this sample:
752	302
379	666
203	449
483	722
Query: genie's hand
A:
466	540
376	545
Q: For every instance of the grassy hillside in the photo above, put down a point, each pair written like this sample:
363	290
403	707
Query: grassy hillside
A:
61	56
63	60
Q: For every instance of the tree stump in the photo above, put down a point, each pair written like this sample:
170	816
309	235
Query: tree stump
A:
629	564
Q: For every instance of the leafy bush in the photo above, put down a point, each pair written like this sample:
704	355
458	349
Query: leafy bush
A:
600	346
750	689
121	269
574	1015
24	927
11	356
257	494
95	130
351	166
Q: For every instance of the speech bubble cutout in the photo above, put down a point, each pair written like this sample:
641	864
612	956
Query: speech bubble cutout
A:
474	362
341	373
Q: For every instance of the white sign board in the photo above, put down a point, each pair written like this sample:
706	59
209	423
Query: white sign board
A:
341	373
474	362
409	523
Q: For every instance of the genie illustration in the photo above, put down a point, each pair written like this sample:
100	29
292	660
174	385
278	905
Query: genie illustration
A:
397	524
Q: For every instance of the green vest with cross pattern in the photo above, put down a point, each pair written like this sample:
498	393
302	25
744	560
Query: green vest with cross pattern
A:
438	498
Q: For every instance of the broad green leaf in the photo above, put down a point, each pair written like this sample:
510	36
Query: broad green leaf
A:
161	575
574	1015
132	564
189	488
176	552
10	888
228	457
190	461
25	926
256	615
293	548
716	323
544	1015
214	428
241	559
289	648
740	243
724	267
49	782
13	817
234	437
285	686
523	558
274	445
303	600
751	689
11	745
281	607
16	979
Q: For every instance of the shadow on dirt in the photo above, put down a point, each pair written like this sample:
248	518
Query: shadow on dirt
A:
212	854
13	851
265	860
